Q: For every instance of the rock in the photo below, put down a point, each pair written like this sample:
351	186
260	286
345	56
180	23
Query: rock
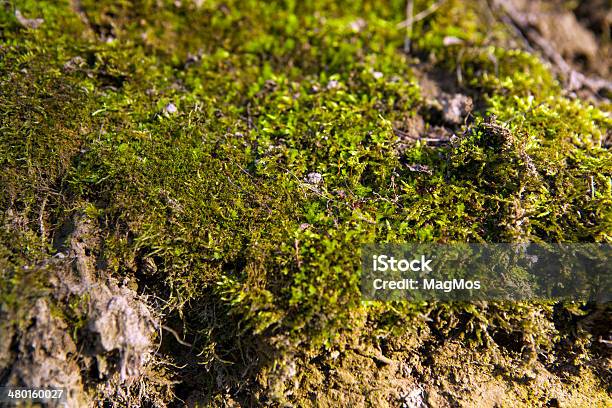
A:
455	108
414	128
561	28
413	399
74	64
118	320
115	340
314	178
170	109
32	23
408	132
333	84
124	325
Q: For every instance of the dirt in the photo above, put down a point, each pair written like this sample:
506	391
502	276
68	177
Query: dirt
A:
429	373
581	34
115	340
596	16
46	357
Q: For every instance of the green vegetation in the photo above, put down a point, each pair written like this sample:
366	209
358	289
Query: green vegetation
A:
214	208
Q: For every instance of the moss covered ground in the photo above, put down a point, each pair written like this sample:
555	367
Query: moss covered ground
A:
235	155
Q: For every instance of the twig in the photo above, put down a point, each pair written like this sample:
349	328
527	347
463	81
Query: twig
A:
410	20
249	117
375	355
297	253
176	336
41	219
606	342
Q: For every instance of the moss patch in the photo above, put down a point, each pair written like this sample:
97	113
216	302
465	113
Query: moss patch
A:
236	155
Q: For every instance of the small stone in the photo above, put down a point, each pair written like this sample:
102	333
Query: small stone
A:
413	399
450	40
358	25
32	23
270	85
170	109
148	266
420	168
333	84
314	178
74	64
192	59
456	107
377	74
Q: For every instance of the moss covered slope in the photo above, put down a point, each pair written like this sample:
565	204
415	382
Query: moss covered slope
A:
234	156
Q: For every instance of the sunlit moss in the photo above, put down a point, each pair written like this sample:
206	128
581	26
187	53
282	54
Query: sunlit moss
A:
215	197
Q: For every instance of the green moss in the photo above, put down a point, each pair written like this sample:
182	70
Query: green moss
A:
210	208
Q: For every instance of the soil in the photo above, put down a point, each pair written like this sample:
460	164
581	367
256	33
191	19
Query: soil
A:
580	33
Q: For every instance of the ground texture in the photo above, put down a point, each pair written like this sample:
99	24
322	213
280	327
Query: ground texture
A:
186	186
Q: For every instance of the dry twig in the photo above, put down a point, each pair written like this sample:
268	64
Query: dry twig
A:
410	20
409	13
176	336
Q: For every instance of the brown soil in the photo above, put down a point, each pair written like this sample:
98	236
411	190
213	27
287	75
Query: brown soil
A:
579	31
